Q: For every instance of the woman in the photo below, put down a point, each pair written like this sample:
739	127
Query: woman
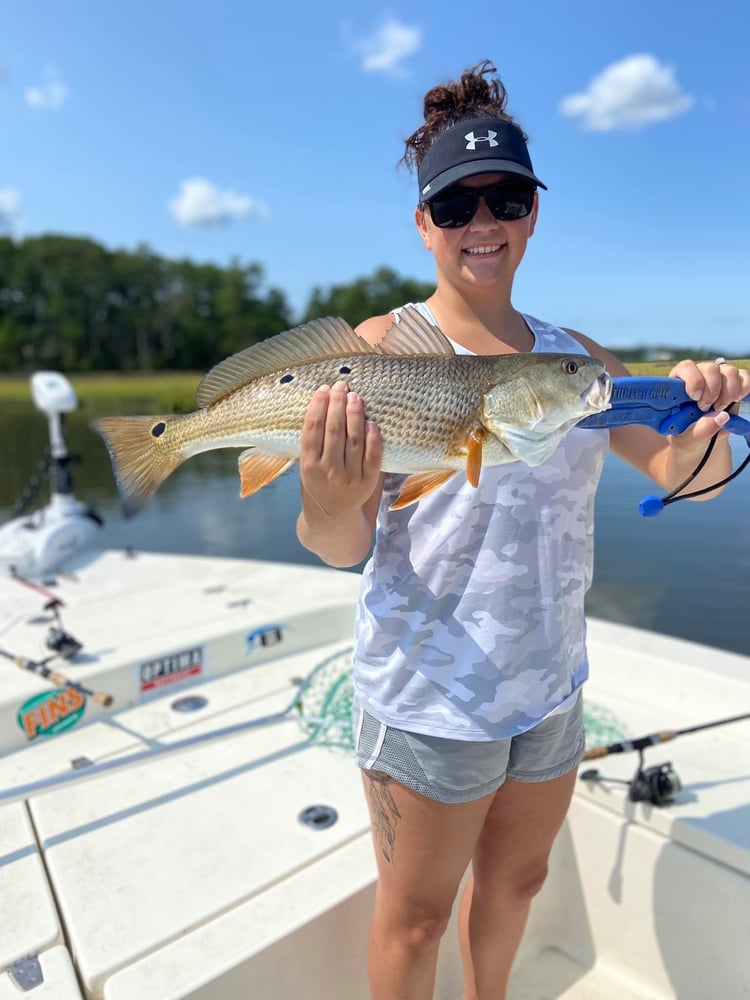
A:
470	645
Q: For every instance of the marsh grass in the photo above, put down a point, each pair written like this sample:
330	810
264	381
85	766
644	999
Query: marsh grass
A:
103	391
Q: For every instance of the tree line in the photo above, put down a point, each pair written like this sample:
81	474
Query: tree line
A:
72	304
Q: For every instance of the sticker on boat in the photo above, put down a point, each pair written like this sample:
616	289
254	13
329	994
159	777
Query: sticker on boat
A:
267	635
172	668
51	712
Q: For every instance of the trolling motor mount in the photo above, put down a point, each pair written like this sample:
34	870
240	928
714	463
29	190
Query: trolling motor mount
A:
38	545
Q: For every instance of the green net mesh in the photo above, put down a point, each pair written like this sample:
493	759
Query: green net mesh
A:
325	703
602	726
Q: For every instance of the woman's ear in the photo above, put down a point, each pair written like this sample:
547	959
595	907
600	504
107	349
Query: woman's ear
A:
534	214
419	218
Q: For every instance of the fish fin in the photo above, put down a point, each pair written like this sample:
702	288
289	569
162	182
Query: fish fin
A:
474	440
321	338
139	465
412	333
420	485
258	470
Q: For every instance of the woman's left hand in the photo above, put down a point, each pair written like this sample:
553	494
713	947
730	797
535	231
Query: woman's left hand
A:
713	386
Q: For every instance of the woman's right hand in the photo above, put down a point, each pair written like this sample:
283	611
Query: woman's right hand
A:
340	457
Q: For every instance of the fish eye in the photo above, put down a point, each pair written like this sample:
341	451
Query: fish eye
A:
158	429
569	366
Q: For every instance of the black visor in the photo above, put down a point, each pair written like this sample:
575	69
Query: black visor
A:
476	146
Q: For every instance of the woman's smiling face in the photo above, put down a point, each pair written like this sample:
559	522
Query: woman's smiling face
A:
485	249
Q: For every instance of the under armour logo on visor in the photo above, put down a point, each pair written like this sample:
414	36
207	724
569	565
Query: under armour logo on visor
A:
472	140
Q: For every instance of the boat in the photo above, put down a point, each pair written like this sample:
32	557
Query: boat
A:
199	829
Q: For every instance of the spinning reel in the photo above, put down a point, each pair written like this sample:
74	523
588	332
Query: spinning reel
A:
657	784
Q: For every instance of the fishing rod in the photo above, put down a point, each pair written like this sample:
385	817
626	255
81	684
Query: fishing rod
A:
662	736
40	668
659	783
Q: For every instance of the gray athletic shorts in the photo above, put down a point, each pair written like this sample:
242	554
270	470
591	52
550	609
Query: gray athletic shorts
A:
459	770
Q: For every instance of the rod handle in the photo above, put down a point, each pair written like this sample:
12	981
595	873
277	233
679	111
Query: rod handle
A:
595	752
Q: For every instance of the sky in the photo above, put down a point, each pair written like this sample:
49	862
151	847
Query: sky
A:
270	133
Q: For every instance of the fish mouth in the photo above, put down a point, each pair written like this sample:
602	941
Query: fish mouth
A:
598	394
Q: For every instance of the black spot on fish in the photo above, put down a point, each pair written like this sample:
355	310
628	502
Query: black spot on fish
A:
286	378
158	429
344	370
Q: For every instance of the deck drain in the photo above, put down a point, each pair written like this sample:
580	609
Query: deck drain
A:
318	817
189	703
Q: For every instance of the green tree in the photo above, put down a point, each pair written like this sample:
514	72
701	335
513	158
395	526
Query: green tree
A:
370	296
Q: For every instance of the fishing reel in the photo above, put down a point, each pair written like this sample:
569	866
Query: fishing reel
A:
61	642
657	784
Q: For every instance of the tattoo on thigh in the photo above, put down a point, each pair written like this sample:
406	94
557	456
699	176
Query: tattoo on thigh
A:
384	812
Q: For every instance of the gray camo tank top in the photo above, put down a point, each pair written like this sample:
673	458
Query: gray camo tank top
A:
470	623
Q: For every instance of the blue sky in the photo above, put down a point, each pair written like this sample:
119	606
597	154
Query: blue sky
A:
270	132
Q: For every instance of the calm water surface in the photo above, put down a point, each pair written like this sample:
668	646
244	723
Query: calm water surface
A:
684	573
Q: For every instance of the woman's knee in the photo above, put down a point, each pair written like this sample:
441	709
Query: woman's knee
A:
416	926
529	882
520	884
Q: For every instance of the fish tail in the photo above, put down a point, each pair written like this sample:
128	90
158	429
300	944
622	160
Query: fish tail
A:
139	464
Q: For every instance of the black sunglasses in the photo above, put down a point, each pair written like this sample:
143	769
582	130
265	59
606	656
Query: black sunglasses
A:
456	206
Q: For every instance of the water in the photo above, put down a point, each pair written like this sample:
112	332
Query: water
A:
684	573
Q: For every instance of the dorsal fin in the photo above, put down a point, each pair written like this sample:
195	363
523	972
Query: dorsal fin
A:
411	333
319	338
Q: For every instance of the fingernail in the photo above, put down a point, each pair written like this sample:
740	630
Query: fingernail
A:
721	418
352	397
340	385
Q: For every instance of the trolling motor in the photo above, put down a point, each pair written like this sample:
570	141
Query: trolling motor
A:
38	544
657	784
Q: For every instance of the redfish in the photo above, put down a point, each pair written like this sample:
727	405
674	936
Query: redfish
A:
439	413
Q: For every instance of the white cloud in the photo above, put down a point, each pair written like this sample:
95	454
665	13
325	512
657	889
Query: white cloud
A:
630	94
50	95
10	214
200	203
385	50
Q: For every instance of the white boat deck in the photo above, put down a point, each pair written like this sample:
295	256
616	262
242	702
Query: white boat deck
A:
192	875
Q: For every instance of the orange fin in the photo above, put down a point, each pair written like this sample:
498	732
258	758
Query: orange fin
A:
419	485
474	441
258	470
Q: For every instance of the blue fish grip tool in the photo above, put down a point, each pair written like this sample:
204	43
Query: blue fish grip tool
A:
662	404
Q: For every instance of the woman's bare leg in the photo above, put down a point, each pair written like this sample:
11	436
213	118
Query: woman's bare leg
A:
423	848
509	867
